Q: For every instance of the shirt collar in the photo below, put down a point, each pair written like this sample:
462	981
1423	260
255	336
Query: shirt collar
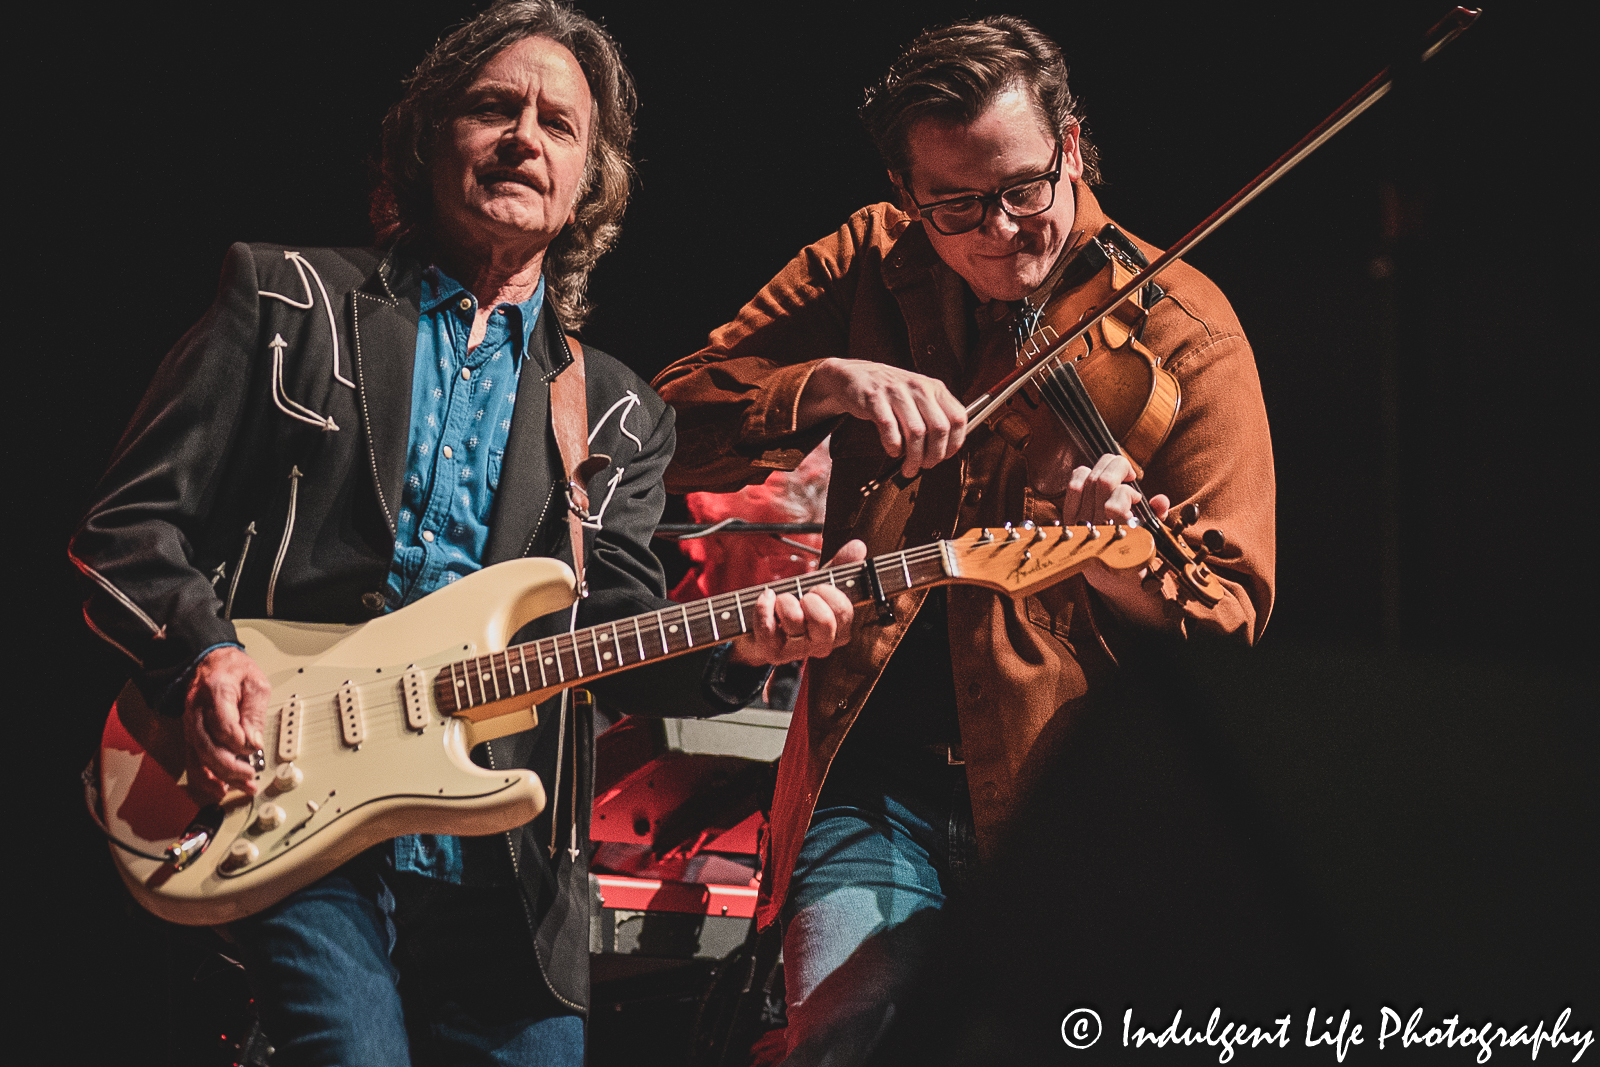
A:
442	292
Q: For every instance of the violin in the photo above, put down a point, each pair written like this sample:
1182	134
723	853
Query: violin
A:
1136	397
1118	399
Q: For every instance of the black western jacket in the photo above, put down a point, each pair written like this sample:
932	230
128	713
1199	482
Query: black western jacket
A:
261	475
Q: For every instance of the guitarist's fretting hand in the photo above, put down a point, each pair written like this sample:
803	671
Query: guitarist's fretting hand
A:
223	716
788	628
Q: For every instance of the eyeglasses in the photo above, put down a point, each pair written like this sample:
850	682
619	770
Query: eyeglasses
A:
963	214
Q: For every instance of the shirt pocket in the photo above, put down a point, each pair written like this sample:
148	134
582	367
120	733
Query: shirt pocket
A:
496	458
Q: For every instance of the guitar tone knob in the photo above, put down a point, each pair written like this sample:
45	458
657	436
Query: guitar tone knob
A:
270	817
241	854
286	777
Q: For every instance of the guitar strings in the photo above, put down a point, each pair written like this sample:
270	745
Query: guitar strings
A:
619	636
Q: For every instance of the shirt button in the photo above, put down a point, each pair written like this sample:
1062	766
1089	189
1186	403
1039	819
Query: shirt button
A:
466	303
466	374
448	454
427	535
373	601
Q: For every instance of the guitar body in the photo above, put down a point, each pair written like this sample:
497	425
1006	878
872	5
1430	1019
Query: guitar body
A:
370	768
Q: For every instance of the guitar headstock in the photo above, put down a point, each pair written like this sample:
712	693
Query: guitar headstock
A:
1024	559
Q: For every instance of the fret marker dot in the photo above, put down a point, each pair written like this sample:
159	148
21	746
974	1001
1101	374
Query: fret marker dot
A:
849	582
515	669
727	614
549	659
605	655
484	676
605	637
672	629
460	682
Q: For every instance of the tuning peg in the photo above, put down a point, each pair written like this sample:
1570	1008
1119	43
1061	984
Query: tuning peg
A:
1066	533
984	536
1214	541
1188	515
1012	533
1094	532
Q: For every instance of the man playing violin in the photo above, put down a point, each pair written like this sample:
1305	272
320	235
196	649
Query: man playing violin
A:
921	739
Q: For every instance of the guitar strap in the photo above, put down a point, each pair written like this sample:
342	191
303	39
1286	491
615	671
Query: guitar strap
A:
569	419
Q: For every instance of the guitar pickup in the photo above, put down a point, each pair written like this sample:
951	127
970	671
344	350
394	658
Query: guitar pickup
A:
289	730
351	725
414	694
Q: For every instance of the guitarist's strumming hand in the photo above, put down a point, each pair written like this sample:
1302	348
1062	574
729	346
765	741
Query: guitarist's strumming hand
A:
788	628
223	716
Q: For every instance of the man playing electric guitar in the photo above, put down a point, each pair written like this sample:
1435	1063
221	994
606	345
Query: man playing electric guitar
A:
920	741
346	431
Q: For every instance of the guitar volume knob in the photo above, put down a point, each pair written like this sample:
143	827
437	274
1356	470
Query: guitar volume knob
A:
241	854
270	817
286	777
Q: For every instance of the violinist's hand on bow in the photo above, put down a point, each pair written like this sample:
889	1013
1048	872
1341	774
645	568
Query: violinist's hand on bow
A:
787	628
918	419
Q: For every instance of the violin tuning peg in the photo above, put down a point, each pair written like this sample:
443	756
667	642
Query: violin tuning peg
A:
1188	515
1213	541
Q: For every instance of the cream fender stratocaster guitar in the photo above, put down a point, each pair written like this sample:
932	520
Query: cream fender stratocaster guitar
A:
370	725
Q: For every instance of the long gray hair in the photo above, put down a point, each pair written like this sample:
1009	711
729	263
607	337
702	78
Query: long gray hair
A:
402	203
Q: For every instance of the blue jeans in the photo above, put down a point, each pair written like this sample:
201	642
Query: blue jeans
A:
891	841
371	967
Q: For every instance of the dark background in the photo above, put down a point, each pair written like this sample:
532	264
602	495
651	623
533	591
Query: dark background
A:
1401	774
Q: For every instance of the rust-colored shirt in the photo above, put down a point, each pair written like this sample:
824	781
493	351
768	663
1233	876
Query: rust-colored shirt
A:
877	290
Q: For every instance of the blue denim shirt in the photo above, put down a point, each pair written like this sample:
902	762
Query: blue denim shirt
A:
461	405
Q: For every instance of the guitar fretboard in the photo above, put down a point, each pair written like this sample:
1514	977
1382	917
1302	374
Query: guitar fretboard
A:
569	658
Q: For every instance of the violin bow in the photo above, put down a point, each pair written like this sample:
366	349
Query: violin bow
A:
1447	29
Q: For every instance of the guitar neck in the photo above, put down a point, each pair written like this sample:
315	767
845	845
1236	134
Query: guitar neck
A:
1013	560
581	655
